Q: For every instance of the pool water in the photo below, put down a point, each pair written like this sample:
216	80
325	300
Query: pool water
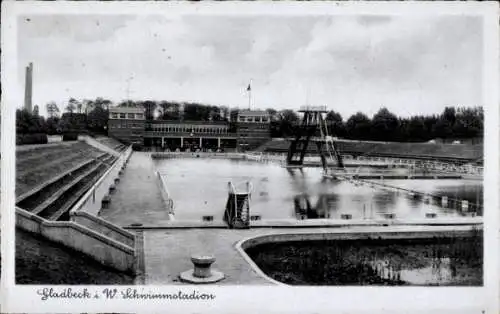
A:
198	188
431	262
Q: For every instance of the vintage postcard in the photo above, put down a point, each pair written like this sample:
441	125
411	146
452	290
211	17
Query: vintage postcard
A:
229	157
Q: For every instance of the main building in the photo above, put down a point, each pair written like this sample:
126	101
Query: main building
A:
129	125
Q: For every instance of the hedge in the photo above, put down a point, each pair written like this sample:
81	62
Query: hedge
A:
34	138
70	136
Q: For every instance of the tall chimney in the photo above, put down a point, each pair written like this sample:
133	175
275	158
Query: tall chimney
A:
28	89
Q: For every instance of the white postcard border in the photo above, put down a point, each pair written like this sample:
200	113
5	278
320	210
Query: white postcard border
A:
24	298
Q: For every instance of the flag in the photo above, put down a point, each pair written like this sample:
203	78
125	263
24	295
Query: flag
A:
249	88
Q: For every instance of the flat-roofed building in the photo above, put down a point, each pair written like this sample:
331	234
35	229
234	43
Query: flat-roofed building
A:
129	125
189	134
253	128
126	124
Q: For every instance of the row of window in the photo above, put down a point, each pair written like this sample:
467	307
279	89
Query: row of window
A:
127	125
254	127
185	129
115	115
253	119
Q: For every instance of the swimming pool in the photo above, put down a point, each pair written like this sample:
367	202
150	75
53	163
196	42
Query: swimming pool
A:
198	187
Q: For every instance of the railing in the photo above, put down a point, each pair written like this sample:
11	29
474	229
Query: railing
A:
168	201
235	218
445	200
197	155
232	188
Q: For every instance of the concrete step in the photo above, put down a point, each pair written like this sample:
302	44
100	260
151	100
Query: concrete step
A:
52	180
40	208
76	196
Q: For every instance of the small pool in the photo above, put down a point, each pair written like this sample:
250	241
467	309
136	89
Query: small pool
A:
438	261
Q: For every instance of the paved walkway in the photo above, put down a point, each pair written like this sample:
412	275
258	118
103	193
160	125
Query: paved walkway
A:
137	198
167	252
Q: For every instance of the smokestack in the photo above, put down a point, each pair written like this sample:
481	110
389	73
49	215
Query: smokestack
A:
28	89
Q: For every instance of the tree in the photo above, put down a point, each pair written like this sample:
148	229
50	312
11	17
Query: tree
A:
52	125
27	122
100	102
288	120
149	109
88	105
72	104
449	114
272	113
215	114
468	123
358	126
416	129
335	124
384	125
36	111
52	110
196	112
224	112
97	117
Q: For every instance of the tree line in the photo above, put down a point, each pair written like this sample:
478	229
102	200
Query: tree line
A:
84	116
452	123
92	115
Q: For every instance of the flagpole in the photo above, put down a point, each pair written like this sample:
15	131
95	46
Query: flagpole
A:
249	94
249	98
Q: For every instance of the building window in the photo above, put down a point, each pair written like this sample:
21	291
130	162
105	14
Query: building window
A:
114	115
264	119
139	116
122	116
130	115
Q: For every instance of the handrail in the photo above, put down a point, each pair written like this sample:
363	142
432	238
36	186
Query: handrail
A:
233	190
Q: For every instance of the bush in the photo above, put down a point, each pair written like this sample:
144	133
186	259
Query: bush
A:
136	147
28	139
70	136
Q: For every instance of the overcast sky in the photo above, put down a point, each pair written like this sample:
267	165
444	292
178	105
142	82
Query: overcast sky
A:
349	63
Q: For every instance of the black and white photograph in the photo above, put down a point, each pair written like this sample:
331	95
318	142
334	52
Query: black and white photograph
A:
222	148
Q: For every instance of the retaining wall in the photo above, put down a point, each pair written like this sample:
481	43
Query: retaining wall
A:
102	248
91	201
103	227
342	236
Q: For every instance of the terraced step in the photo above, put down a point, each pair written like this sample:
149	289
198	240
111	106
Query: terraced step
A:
54	179
22	154
50	184
24	158
49	163
79	190
55	198
27	180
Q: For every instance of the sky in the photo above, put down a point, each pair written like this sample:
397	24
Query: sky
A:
348	63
